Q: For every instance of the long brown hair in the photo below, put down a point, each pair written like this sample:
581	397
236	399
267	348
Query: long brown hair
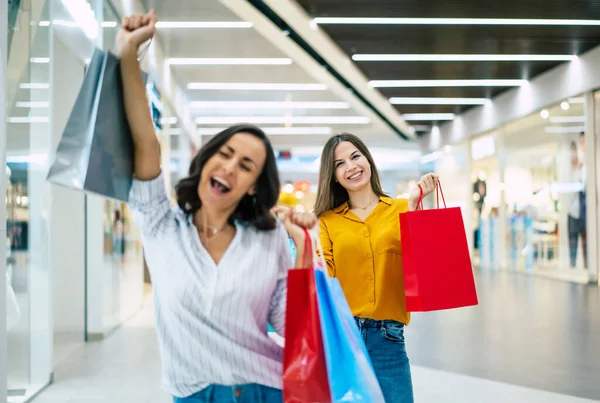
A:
256	210
331	194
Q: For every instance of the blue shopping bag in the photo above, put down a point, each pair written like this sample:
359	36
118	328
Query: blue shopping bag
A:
349	368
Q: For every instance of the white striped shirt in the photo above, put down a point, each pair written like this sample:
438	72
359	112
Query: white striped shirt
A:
212	319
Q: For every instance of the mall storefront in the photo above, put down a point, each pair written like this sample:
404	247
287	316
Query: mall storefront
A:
75	268
529	197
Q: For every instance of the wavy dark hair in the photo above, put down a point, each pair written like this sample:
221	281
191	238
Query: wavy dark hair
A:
253	210
330	193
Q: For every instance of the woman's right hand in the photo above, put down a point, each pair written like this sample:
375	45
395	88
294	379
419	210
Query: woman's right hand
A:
135	30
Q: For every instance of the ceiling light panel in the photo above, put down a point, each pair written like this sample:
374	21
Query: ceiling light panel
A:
223	61
428	116
40	104
39	60
276	131
567	119
456	21
445	83
327	120
459	58
269	105
258	86
34	86
438	101
564	129
28	119
204	24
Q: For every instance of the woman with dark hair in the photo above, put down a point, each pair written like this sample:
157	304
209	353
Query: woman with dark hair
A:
219	258
360	234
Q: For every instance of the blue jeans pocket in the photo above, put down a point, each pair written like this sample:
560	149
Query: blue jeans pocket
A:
393	331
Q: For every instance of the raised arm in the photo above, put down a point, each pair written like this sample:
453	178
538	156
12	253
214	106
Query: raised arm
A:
136	30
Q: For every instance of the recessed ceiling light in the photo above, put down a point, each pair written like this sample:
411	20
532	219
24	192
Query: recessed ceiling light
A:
34	86
222	61
258	86
327	120
277	131
445	83
544	113
204	24
438	101
564	105
454	21
269	105
428	116
567	119
458	58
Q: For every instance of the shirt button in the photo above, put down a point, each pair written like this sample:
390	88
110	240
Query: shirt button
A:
370	278
369	256
366	234
371	299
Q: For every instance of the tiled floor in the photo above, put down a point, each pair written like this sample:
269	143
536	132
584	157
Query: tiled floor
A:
125	367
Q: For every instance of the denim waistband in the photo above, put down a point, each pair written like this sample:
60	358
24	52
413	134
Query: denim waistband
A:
366	323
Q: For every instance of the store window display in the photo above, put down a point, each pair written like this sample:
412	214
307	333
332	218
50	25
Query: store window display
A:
531	195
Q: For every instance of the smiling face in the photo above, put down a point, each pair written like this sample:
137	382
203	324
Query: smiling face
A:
352	169
232	171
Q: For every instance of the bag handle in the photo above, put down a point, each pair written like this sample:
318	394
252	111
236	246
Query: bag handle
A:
438	191
317	257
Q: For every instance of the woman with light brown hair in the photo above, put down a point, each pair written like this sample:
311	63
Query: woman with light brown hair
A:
360	234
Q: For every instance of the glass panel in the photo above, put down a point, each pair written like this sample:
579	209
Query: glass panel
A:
123	256
544	192
27	228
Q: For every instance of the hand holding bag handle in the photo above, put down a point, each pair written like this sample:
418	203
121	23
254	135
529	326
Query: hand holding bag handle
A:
438	191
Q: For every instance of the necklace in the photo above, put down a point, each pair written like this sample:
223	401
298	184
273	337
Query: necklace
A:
210	232
367	206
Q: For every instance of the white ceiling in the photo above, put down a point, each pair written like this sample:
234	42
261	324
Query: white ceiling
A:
263	40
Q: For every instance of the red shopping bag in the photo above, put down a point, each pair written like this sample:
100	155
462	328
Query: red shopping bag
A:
304	366
435	257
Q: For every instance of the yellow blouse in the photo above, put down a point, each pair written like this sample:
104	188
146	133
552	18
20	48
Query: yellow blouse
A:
366	258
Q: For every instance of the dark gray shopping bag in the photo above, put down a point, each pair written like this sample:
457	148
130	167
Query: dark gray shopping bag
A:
95	152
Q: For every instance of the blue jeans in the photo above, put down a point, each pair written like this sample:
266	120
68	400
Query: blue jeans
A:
251	393
385	344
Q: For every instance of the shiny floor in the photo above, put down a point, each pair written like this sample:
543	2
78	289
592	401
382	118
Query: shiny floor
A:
527	330
530	340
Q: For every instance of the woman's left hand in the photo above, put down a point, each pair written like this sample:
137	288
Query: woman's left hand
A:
296	223
427	183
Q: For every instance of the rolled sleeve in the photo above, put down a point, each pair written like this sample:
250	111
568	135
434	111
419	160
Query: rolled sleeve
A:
150	205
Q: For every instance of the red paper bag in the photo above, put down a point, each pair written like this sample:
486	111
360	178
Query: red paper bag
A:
435	257
304	366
